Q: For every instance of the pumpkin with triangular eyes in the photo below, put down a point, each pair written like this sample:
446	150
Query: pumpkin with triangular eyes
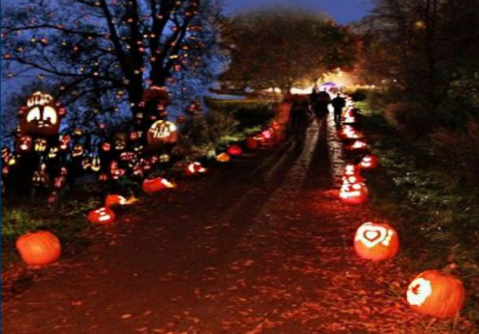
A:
41	116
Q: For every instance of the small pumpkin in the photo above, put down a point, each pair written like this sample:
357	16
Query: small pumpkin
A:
252	143
195	168
436	294
235	150
39	248
376	241
223	157
157	184
353	194
358	145
114	199
101	216
369	162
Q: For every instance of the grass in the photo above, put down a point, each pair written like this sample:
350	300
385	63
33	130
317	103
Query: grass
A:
437	217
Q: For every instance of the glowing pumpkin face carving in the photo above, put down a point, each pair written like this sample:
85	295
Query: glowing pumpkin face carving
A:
101	216
24	144
375	241
41	116
195	168
353	194
369	162
436	294
162	132
157	184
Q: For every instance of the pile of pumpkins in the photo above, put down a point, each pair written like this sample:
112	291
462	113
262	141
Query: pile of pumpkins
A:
433	292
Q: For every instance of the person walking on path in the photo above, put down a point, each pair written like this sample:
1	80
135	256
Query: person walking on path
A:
322	104
338	103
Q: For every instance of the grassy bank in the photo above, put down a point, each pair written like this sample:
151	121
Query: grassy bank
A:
419	189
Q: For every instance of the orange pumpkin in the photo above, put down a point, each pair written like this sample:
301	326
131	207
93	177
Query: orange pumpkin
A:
114	200
358	145
101	216
223	157
253	142
436	294
154	185
235	150
195	168
369	162
376	241
39	248
353	194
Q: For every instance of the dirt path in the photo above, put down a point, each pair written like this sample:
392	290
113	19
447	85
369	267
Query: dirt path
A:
259	246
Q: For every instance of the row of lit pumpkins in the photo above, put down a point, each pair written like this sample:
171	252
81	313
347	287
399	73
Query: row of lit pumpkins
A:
432	292
42	247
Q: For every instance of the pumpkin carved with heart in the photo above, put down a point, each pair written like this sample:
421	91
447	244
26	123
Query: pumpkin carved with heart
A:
436	294
376	241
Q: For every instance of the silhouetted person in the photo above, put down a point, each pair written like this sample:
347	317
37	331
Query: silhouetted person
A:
338	104
322	104
298	122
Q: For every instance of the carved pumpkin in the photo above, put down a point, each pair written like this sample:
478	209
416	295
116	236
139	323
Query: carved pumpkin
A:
64	142
101	216
162	132
353	194
24	144
369	162
111	200
39	248
41	116
253	142
195	168
40	145
223	157
235	150
376	241
436	294
157	184
358	145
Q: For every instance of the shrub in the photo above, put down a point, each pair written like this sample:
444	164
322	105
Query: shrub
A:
409	118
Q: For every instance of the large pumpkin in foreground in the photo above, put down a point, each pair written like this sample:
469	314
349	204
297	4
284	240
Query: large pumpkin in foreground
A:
436	294
376	241
39	248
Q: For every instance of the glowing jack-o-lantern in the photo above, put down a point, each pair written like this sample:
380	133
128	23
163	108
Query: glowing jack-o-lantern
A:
223	157
253	142
436	294
41	116
195	168
157	184
369	162
40	145
376	241
235	150
162	132
64	142
101	216
24	144
353	194
39	248
114	200
358	145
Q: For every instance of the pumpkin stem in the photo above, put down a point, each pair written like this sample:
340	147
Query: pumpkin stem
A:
449	268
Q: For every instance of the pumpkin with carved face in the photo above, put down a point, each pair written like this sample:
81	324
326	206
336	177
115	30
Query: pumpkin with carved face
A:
24	144
353	194
162	132
101	216
376	241
41	116
40	145
436	294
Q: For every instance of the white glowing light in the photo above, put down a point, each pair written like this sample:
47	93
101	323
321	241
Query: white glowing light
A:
371	235
418	291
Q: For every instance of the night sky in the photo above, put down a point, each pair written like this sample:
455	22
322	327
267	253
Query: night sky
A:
343	11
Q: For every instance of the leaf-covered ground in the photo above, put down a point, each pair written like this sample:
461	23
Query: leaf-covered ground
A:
261	245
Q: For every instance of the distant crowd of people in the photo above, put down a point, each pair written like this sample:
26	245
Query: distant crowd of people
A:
318	104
